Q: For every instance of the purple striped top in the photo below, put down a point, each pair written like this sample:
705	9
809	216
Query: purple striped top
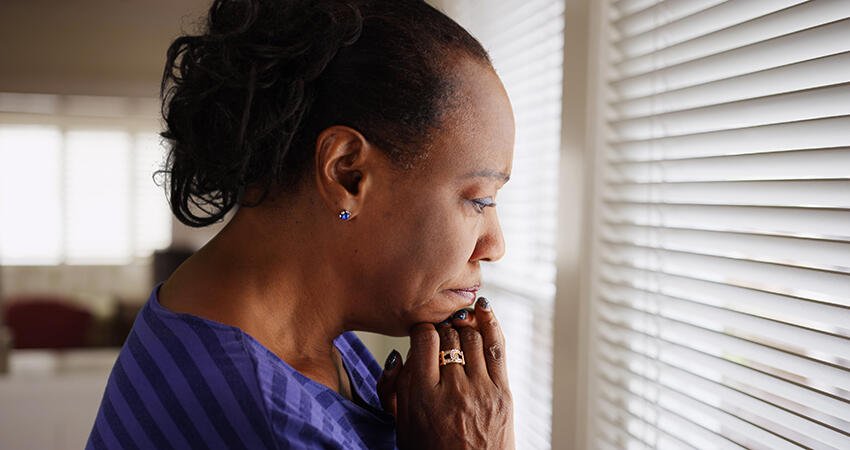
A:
182	381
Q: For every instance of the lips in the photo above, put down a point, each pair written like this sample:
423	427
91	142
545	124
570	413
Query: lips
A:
468	294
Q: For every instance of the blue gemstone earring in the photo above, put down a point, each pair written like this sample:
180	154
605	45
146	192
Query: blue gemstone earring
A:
344	214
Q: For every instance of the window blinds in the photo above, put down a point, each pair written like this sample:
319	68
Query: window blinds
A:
722	295
525	41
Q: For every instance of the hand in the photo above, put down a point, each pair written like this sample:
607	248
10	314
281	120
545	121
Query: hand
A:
451	406
464	318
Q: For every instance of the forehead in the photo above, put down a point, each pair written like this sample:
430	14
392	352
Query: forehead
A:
477	136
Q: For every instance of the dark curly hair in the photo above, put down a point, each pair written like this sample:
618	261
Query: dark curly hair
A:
245	100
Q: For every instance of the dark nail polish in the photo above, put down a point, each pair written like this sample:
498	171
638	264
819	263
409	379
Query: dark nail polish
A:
484	303
445	323
460	315
392	360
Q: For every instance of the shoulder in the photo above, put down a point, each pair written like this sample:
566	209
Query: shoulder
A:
181	381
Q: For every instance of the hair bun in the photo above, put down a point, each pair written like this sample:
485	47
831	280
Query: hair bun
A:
249	33
243	50
244	100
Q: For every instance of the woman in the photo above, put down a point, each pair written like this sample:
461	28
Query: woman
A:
363	142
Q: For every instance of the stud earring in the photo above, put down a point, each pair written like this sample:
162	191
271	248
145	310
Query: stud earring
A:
345	214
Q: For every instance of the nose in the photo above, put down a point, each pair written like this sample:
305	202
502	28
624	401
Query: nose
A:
491	242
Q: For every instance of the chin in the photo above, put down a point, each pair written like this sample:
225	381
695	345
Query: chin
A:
398	322
389	326
400	331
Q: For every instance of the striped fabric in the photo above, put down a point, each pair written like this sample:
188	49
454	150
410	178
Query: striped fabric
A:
182	381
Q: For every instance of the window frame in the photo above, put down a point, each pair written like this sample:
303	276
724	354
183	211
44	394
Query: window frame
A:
573	341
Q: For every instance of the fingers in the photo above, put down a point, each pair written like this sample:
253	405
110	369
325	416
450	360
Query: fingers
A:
422	357
387	384
493	342
403	397
464	318
471	343
449	340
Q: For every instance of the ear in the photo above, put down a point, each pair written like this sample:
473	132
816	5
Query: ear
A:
343	167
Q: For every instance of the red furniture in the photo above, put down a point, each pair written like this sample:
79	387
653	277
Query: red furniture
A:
44	322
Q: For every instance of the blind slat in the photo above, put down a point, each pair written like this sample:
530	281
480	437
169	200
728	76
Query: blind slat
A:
809	74
806	134
828	287
830	348
660	14
831	193
776	307
822	102
806	253
790	20
824	40
626	7
827	379
708	21
814	224
802	165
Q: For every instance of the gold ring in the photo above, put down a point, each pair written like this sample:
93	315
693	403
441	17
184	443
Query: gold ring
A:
452	356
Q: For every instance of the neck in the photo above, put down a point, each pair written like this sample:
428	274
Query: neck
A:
274	283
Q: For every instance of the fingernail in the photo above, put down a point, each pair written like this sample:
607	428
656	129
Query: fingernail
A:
392	360
460	315
484	303
445	323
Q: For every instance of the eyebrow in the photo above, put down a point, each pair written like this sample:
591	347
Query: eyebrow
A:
488	173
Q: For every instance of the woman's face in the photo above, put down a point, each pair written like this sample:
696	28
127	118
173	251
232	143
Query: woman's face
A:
426	233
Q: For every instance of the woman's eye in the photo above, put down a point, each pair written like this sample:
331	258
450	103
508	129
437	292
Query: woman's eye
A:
481	203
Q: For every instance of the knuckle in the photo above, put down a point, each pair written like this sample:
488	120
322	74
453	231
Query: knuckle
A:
492	323
495	352
489	325
470	337
423	336
448	334
493	330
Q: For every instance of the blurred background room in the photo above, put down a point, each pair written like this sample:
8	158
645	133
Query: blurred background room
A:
677	223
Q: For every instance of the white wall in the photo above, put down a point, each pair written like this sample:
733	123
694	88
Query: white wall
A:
95	47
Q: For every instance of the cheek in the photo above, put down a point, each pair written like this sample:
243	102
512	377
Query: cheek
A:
437	257
442	241
415	255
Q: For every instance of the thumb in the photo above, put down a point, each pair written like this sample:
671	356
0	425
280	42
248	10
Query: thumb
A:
388	381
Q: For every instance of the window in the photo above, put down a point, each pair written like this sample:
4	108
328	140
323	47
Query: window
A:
30	194
77	189
525	41
721	299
